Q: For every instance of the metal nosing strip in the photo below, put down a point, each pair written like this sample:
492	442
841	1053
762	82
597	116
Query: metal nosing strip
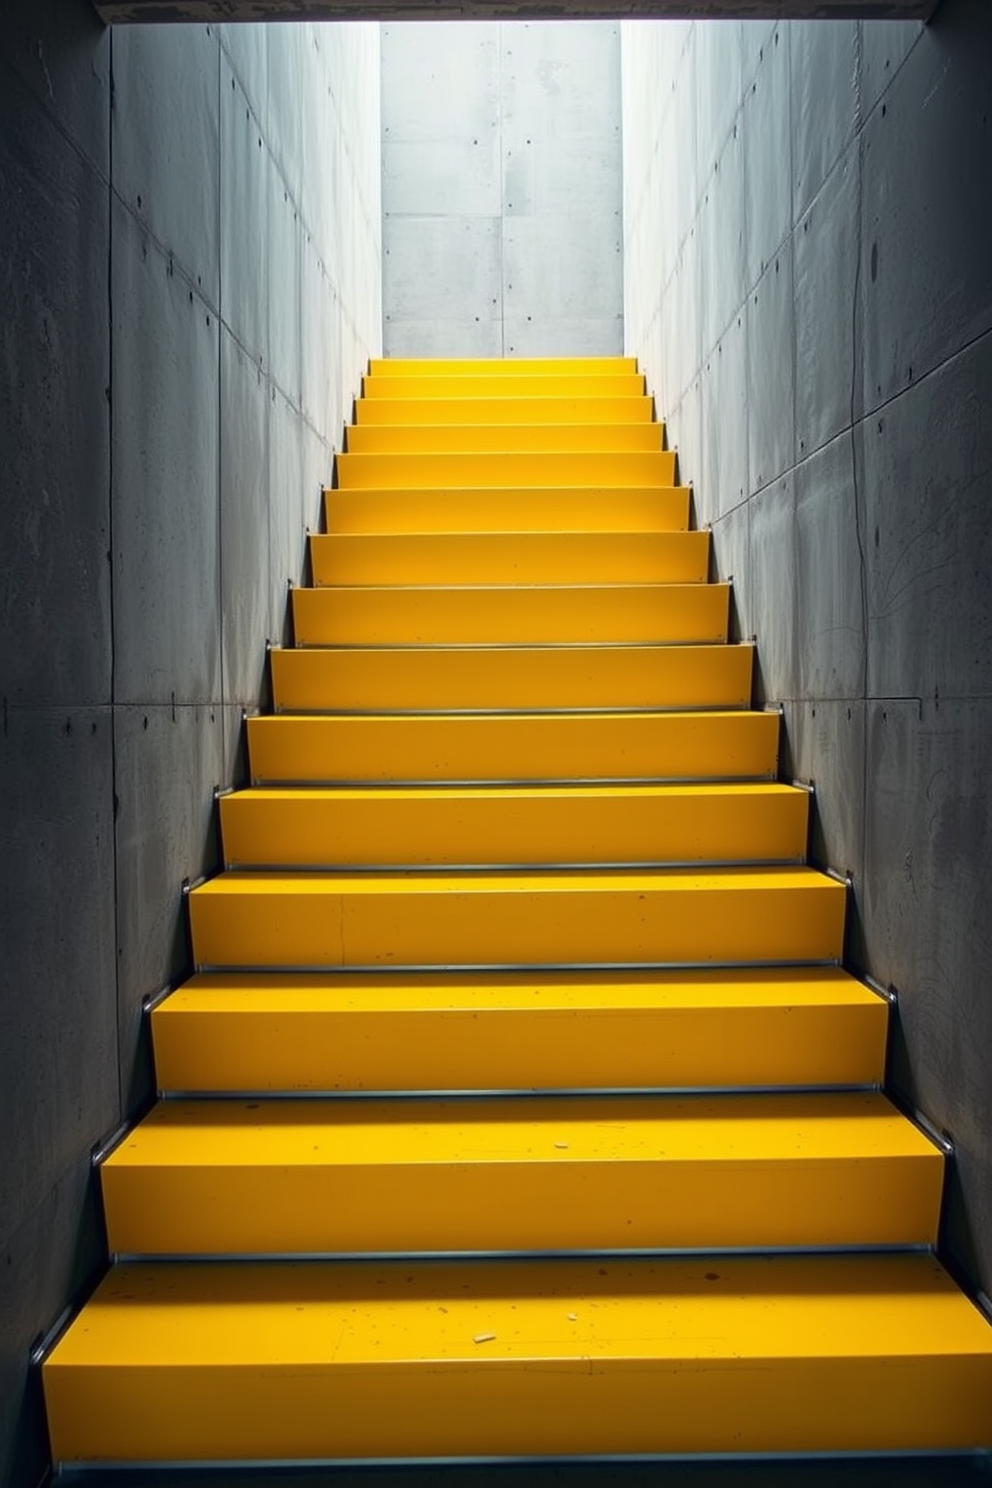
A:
606	866
435	968
568	1092
466	1257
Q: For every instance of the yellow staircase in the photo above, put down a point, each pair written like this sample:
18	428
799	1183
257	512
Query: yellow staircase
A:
519	1104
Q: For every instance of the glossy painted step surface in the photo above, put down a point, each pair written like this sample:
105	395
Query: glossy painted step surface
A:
551	1173
498	614
300	1031
495	383
511	558
517	509
446	412
512	677
469	367
490	438
378	920
326	827
284	1361
514	746
586	468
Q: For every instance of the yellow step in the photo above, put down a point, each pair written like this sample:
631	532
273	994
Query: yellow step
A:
566	439
521	1173
494	383
668	916
515	509
510	558
282	1361
522	746
442	826
497	382
540	677
490	1031
509	367
468	410
377	615
420	471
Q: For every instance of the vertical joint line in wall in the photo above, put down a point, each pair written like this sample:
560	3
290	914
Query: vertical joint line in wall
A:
502	189
220	410
855	482
114	799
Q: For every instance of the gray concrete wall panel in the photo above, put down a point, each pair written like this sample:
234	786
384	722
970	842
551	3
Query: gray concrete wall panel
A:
766	129
166	143
244	523
58	1061
828	343
863	420
723	472
830	576
55	361
825	99
244	206
771	363
926	264
927	483
166	453
501	190
146	353
928	860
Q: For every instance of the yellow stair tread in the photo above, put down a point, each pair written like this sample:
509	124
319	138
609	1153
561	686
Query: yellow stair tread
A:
490	438
666	916
324	826
521	1173
453	614
542	1357
412	993
496	383
306	1031
493	558
513	746
476	677
546	1130
590	468
387	510
438	412
498	366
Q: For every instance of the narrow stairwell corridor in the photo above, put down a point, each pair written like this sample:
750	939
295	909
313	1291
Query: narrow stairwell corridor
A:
520	1104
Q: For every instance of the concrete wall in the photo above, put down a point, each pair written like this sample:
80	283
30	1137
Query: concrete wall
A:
808	223
189	261
501	189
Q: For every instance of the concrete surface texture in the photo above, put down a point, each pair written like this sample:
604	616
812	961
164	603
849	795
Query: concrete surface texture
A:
114	11
189	256
808	242
501	189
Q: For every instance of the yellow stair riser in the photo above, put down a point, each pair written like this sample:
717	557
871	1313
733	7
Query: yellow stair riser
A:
513	678
492	367
444	826
493	384
310	1177
517	509
420	471
511	558
489	1032
521	747
202	1363
566	439
502	614
676	917
448	412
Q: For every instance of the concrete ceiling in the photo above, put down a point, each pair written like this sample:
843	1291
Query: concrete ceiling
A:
116	11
